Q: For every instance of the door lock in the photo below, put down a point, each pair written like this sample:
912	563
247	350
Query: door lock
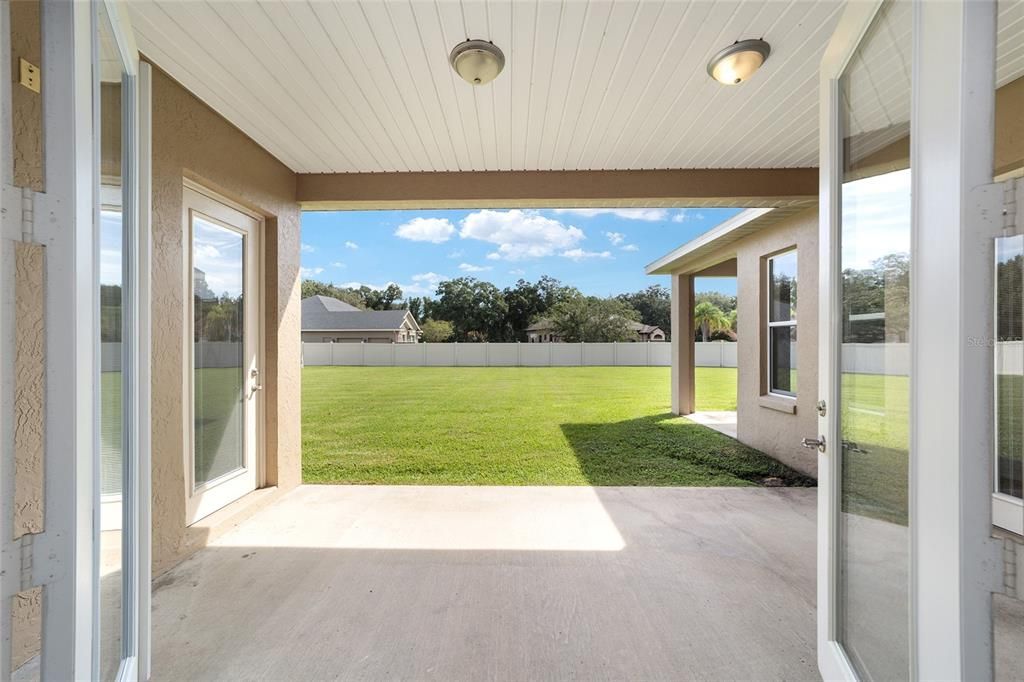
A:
821	408
814	443
256	385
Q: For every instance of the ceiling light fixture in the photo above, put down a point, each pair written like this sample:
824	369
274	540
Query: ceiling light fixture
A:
739	61
477	62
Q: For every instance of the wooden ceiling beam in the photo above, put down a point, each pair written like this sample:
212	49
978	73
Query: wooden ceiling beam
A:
744	188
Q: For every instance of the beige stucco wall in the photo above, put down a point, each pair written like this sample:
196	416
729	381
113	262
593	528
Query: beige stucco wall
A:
191	141
26	105
769	430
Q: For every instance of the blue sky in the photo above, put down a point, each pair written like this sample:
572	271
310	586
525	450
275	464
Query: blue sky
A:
600	251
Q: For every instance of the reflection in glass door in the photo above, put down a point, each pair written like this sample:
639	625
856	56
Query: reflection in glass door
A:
873	539
116	235
224	373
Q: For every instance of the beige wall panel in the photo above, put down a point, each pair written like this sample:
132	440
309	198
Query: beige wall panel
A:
771	431
191	141
29	387
1010	127
26	626
26	105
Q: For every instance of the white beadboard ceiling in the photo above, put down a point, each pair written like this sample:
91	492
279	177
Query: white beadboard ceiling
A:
350	86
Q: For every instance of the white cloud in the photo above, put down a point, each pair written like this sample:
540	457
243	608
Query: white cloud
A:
648	214
307	248
429	278
517	272
423	284
433	230
351	245
469	267
615	238
630	247
519	234
579	254
684	214
337	264
456	254
310	272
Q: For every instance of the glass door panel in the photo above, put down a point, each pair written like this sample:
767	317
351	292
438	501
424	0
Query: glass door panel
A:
218	274
113	549
224	248
873	539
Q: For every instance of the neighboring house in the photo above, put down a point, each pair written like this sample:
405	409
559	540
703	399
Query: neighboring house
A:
543	331
326	319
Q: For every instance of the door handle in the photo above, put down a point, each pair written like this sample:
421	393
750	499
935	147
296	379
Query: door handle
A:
256	385
814	443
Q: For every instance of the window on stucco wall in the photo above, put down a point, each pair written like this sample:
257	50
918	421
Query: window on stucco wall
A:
781	332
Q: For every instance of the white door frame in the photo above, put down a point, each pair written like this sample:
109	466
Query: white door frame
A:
832	660
953	560
220	210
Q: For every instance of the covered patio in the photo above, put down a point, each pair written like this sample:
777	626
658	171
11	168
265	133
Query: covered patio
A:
461	583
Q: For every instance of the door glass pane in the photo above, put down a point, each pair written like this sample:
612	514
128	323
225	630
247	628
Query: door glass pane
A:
873	615
218	270
1008	365
112	501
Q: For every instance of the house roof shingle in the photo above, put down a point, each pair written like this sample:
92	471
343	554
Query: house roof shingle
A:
322	313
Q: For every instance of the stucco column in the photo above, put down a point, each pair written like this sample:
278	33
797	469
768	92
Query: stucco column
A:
682	345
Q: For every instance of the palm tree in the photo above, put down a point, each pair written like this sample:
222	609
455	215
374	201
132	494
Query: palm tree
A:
709	318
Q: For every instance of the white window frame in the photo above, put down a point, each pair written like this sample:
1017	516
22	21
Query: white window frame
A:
769	368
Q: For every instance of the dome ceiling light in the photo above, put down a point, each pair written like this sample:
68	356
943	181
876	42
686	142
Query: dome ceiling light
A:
477	62
739	61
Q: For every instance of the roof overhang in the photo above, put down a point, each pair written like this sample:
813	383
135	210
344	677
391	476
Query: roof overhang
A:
718	244
560	189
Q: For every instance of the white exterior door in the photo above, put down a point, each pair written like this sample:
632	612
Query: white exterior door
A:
904	555
223	375
865	469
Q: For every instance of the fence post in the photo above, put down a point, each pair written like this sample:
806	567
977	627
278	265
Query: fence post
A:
362	353
519	354
647	350
582	352
392	353
331	347
549	353
455	354
615	353
424	353
487	354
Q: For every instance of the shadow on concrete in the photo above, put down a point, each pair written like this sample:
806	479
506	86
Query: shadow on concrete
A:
665	450
332	583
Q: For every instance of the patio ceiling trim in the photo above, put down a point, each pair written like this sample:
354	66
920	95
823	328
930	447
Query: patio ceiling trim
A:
716	245
775	187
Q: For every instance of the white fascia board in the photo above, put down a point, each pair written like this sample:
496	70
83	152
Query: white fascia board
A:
664	265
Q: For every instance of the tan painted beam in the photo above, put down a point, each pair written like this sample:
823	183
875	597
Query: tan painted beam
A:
552	189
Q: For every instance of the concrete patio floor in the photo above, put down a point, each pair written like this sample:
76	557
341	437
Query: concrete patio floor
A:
457	583
721	421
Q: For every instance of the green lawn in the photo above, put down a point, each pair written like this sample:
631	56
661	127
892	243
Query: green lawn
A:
519	426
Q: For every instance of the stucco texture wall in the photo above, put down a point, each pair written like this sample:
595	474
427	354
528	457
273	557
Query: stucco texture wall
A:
769	430
191	141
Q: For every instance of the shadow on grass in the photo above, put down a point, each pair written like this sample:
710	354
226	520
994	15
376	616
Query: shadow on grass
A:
672	451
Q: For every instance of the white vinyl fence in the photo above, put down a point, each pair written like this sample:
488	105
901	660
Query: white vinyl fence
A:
650	354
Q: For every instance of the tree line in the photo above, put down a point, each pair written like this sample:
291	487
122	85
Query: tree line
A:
467	309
